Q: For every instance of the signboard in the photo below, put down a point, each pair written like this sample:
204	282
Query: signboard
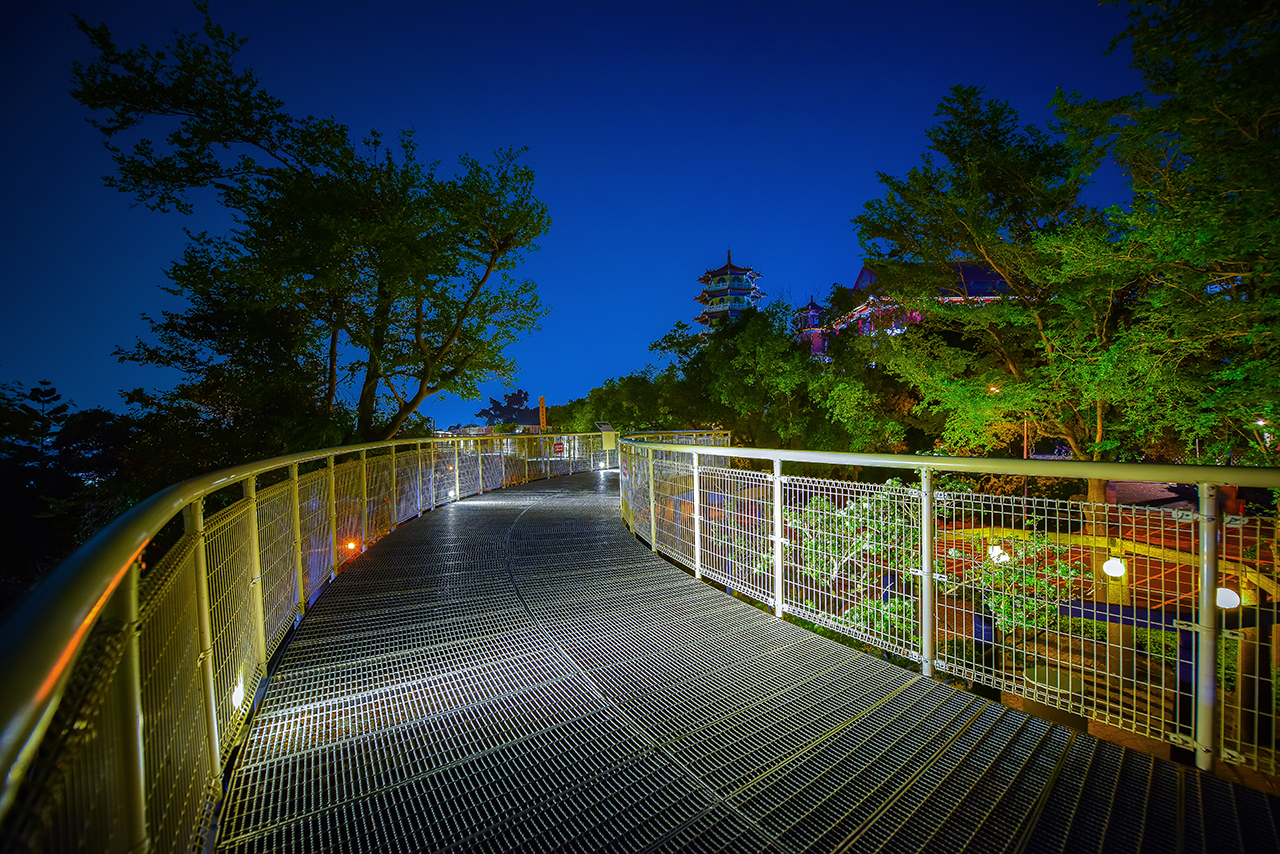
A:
559	447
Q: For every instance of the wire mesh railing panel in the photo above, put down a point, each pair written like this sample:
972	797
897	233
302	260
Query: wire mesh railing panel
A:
737	520
635	476
407	494
235	660
1249	658
851	559
493	466
673	495
174	731
536	458
380	495
468	468
73	797
317	529
1072	605
278	561
444	474
349	509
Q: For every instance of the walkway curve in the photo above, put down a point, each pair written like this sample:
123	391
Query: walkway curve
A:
514	672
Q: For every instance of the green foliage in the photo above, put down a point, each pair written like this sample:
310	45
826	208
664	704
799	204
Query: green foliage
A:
1051	348
1201	146
1021	582
339	248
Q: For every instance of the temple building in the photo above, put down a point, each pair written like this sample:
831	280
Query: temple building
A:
728	292
974	285
810	323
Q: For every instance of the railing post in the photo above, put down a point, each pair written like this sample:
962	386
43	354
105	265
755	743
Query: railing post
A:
697	519
431	480
927	607
124	608
395	494
457	469
193	522
250	487
333	515
777	537
296	500
1207	636
653	510
526	459
480	467
364	499
418	481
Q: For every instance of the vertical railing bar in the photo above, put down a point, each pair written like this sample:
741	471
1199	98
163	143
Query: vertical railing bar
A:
1207	636
431	481
333	515
777	537
193	522
697	518
364	498
124	605
480	467
295	498
256	605
418	480
653	514
395	497
927	607
457	469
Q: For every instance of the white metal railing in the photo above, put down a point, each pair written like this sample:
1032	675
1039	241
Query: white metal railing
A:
129	674
1099	611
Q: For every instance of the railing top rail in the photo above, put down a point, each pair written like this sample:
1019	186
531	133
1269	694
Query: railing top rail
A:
1158	472
40	639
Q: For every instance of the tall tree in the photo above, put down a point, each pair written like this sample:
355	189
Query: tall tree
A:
1201	147
355	260
1050	348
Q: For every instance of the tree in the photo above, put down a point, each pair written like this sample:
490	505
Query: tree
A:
339	249
1201	146
54	463
1052	348
507	410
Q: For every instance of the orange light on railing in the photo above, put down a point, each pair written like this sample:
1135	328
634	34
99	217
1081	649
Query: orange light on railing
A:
351	546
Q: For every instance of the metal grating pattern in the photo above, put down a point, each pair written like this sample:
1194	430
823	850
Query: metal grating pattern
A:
516	673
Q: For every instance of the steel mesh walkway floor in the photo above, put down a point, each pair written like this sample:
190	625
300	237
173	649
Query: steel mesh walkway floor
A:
515	672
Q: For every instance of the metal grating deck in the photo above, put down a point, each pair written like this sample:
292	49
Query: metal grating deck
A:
516	673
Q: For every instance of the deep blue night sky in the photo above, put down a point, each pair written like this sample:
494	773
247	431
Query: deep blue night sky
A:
662	134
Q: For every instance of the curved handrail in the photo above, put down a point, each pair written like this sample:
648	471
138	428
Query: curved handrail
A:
42	637
1267	478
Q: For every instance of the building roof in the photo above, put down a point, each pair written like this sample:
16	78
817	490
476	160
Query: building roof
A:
729	269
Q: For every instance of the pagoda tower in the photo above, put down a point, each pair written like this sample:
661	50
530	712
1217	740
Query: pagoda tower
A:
728	291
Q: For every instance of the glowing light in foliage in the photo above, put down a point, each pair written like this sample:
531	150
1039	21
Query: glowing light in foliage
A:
998	555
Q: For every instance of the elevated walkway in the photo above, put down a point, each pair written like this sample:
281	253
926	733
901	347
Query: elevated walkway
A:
515	672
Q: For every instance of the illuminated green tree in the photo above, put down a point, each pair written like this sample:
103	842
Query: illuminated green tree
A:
1053	348
1201	146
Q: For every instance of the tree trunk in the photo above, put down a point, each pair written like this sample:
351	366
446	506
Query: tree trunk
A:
366	407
